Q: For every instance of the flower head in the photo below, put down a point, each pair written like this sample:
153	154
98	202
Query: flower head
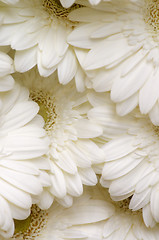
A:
73	152
38	32
131	157
83	220
93	216
126	223
122	40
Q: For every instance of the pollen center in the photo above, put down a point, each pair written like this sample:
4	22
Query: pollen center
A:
155	131
31	228
152	14
123	206
47	107
55	9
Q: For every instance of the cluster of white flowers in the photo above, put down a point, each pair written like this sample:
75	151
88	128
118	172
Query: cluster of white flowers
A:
79	119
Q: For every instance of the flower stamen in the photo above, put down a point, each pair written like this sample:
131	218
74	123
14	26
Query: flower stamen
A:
123	206
31	228
47	107
55	9
152	14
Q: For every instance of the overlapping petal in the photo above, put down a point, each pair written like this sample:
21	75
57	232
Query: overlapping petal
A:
23	142
73	150
121	44
131	157
44	41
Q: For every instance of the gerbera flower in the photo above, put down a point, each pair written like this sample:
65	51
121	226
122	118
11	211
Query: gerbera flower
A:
125	224
6	68
94	216
123	43
37	30
131	157
72	150
23	143
83	220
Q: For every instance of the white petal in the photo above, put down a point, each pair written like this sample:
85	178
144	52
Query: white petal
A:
46	200
80	36
126	184
140	200
6	83
74	185
148	94
65	162
58	187
26	59
108	30
132	82
44	71
93	211
67	201
67	4
21	181
6	221
14	195
19	213
147	216
20	114
117	49
119	147
67	67
147	181
103	80
125	107
154	202
87	129
54	46
27	168
120	167
79	79
6	64
25	147
88	176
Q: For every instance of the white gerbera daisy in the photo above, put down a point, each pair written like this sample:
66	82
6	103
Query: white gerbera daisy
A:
84	220
23	142
125	224
131	157
94	216
123	39
6	68
38	30
72	150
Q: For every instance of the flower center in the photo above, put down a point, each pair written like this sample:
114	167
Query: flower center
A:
156	130
55	9
31	227
152	14
123	206
47	107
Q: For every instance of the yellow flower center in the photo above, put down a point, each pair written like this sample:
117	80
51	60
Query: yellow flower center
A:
47	107
152	14
55	9
31	227
123	206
